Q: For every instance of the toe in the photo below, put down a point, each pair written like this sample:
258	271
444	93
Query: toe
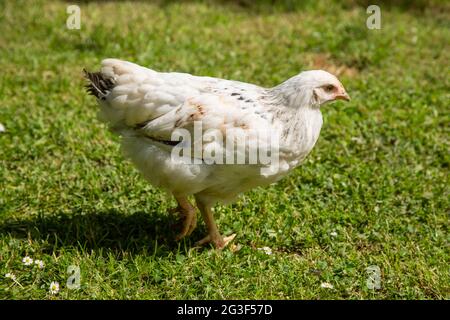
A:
203	241
186	228
192	225
223	242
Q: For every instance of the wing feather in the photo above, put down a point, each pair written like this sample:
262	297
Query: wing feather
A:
154	104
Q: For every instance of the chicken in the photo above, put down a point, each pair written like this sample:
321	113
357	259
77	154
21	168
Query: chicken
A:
234	136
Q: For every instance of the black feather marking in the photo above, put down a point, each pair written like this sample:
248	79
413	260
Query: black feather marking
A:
166	142
169	143
142	125
235	94
99	86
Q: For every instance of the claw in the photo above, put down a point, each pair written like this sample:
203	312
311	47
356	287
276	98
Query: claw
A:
188	221
218	241
189	224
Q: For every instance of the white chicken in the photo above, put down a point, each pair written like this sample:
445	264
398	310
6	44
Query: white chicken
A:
148	108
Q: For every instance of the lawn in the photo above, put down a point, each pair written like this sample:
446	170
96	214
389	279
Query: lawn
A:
373	193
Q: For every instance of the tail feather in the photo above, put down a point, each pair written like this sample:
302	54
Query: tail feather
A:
99	85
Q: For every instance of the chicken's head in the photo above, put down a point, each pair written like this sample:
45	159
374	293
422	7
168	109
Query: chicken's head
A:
312	88
325	86
328	88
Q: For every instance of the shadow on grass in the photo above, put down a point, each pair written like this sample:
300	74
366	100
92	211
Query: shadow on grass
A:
117	232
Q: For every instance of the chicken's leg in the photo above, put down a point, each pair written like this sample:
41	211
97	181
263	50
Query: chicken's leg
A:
213	232
188	215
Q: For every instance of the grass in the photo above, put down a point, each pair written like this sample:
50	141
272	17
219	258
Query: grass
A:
378	176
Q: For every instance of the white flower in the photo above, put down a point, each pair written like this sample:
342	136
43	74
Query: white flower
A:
266	250
54	287
12	276
27	261
333	234
39	263
326	285
2	128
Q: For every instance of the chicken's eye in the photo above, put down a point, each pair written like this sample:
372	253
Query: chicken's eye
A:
329	88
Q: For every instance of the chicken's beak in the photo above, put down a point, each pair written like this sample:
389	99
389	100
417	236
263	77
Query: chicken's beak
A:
342	96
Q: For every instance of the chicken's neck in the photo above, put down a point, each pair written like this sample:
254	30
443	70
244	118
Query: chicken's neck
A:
300	121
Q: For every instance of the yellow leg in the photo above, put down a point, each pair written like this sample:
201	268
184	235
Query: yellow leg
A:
213	232
189	216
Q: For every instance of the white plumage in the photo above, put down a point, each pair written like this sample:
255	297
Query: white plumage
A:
146	107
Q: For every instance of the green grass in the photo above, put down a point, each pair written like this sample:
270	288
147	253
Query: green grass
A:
378	176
